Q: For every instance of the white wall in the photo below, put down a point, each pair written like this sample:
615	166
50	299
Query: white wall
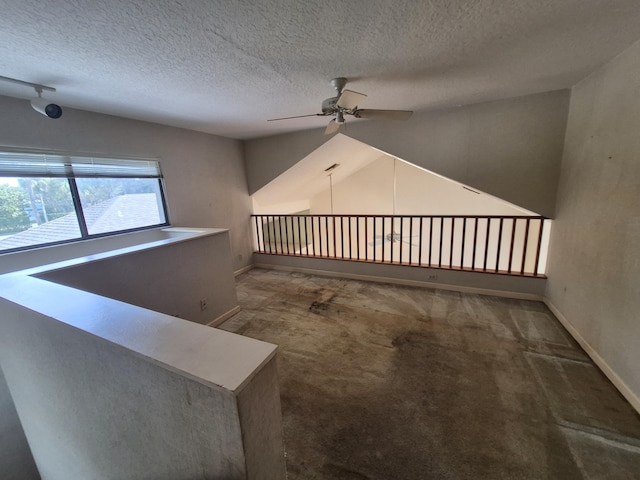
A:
594	267
510	148
371	191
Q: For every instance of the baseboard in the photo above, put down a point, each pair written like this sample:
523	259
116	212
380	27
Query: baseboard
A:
626	392
225	316
400	281
243	270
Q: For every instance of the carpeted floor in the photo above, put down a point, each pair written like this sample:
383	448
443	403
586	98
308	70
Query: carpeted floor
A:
390	382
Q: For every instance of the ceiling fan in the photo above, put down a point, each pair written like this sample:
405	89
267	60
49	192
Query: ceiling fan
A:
346	103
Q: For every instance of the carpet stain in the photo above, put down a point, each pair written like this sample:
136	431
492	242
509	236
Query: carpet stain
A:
324	297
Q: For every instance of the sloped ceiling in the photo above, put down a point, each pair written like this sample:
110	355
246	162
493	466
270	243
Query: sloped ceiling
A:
308	177
225	67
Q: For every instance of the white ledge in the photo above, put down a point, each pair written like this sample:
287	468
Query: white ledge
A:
207	355
173	235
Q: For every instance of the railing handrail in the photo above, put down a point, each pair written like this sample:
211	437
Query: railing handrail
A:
380	215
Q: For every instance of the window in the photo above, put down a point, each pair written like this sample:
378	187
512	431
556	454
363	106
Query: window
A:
47	199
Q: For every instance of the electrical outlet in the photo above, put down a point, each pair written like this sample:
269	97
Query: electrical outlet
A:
433	277
203	304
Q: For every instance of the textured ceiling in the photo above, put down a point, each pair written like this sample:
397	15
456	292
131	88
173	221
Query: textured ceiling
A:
225	67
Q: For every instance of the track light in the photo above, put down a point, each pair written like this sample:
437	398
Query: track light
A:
39	104
44	107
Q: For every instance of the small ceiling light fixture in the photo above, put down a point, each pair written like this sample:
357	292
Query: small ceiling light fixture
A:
41	105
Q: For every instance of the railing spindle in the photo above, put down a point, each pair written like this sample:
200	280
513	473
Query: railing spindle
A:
282	236
420	244
464	239
524	248
453	231
313	237
513	238
391	235
335	249
350	238
273	241
319	219
410	240
341	237
441	232
400	242
358	240
326	235
535	268
499	245
374	239
366	236
475	242
486	245
430	237
383	239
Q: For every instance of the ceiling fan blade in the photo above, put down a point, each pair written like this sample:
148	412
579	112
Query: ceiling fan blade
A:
333	127
297	116
384	114
350	99
379	240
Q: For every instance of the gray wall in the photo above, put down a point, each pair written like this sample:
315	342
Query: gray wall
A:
171	279
16	462
529	288
594	267
204	174
510	148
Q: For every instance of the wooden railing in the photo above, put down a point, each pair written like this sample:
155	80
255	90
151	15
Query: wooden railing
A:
511	245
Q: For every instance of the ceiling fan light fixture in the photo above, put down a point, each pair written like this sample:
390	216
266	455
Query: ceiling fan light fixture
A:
339	117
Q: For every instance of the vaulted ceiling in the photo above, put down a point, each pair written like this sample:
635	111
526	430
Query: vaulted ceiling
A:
225	67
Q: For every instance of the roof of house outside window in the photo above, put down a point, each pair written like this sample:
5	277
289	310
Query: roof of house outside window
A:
118	213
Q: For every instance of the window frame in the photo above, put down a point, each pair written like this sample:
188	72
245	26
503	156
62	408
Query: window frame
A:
77	203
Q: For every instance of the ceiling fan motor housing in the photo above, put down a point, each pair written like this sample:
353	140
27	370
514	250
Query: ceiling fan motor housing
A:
338	83
329	106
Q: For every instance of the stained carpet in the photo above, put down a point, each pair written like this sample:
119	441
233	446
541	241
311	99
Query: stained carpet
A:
392	382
